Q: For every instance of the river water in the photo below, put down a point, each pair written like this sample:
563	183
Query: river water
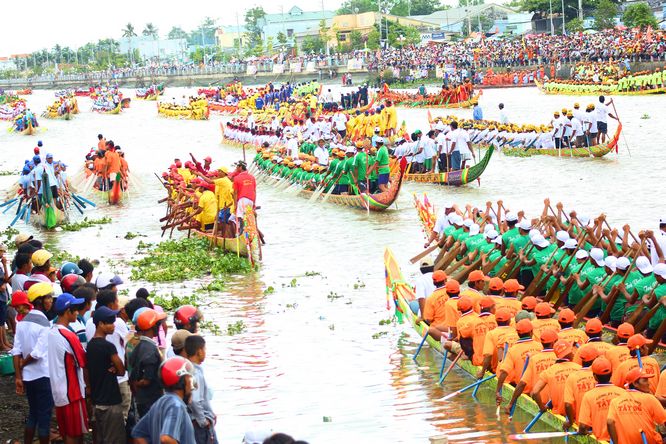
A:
314	361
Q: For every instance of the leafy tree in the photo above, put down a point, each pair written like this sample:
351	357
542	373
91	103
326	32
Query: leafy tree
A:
357	6
253	24
313	44
282	38
177	33
356	40
197	55
639	15
575	25
150	31
424	7
543	6
373	39
604	15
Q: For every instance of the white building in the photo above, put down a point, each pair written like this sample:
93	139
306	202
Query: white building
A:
149	48
7	64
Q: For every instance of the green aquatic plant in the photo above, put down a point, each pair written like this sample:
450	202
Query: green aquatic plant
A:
236	328
178	260
130	235
85	223
173	302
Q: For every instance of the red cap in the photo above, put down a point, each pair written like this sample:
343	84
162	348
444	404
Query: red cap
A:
634	375
439	276
36	150
486	302
503	315
477	275
529	302
20	298
588	353
637	341
452	286
464	304
512	286
543	309
208	159
548	336
495	284
567	316
562	348
593	326
625	330
524	326
602	366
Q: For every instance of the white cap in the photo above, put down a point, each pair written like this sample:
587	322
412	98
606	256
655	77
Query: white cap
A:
106	279
439	126
491	234
581	254
487	228
525	225
379	140
622	263
569	244
511	217
458	220
498	240
474	229
534	232
660	270
377	129
662	221
468	223
562	236
643	264
610	262
583	219
540	241
350	149
597	254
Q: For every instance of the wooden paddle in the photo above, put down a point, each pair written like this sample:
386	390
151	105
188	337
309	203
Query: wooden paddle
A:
656	338
424	253
640	325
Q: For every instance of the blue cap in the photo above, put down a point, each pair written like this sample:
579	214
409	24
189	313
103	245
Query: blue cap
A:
26	169
31	164
36	159
49	156
39	143
26	162
105	315
66	300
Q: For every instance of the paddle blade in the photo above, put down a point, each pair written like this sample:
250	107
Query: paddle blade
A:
540	435
50	218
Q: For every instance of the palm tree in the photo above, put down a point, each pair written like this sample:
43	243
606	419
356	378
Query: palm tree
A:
150	31
128	32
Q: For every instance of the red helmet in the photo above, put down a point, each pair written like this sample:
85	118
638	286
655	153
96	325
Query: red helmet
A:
174	370
186	315
71	281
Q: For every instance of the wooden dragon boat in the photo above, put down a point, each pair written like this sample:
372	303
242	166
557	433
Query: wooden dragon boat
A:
596	92
402	293
373	202
24	92
432	101
454	178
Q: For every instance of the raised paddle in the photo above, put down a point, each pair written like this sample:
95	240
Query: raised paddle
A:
424	253
640	324
474	386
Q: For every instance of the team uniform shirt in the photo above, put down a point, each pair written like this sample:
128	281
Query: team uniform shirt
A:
539	325
460	138
224	189
577	384
245	186
434	309
574	335
590	122
537	363
208	202
617	355
660	315
511	303
602	113
441	223
515	359
451	313
601	347
31	339
465	329
168	417
650	366
483	323
634	411
594	406
555	378
67	360
424	286
475	296
495	341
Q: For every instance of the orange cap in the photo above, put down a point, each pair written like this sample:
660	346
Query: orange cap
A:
512	286
637	341
543	309
602	366
548	336
464	304
588	353
452	286
524	326
562	348
439	276
477	275
567	316
486	302
503	315
634	375
593	326
529	302
625	330
495	284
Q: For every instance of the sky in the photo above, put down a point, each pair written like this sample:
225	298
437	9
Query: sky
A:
74	23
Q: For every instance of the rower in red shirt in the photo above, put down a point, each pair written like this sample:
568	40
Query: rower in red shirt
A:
245	191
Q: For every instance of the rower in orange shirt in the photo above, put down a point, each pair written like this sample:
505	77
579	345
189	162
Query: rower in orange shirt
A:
535	365
528	304
593	329
484	323
451	313
433	308
99	166
510	299
555	377
593	412
495	287
511	368
578	383
476	282
638	344
544	320
566	319
112	161
101	142
634	415
464	328
620	353
495	341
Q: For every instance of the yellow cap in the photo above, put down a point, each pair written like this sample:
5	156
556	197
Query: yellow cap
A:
40	257
39	290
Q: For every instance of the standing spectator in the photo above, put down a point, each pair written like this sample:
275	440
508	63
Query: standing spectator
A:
4	298
103	366
145	360
201	411
66	360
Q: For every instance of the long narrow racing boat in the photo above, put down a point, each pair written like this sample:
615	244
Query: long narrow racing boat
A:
402	293
454	178
594	92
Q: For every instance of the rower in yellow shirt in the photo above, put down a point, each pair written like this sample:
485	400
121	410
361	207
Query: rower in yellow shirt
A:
208	204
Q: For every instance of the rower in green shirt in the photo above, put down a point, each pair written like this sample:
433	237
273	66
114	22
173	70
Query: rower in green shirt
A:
345	169
381	165
591	274
359	169
660	297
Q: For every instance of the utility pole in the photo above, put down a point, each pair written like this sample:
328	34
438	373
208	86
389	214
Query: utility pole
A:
379	5
552	26
580	10
239	34
564	31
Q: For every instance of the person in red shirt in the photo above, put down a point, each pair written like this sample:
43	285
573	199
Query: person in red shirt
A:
245	191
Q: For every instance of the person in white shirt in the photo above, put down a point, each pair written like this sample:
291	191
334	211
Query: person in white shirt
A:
292	145
321	153
250	120
660	238
577	136
590	125
558	129
578	114
340	123
503	116
441	223
423	287
602	118
460	146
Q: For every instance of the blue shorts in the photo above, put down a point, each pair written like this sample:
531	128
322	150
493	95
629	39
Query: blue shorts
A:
40	405
383	179
224	215
602	127
3	313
